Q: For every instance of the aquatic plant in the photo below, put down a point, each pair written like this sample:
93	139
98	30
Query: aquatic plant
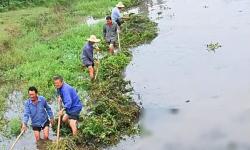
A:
139	29
63	144
213	46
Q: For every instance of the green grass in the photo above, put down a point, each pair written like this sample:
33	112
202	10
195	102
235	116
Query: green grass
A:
11	27
14	126
21	4
61	56
92	8
35	37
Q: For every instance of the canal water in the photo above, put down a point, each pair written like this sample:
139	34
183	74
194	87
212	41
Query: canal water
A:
194	98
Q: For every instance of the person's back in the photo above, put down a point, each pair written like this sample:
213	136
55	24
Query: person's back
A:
115	15
87	55
72	104
70	99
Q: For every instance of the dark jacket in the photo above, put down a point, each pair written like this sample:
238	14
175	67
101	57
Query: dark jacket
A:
87	55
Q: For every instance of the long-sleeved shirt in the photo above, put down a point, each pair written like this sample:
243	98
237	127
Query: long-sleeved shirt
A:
110	32
70	99
38	112
116	14
87	55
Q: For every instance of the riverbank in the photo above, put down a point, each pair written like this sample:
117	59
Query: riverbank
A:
112	113
31	38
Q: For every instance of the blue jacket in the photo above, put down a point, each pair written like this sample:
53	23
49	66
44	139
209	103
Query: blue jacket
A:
70	99
37	112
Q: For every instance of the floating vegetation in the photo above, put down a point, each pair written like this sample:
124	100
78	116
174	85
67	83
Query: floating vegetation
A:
213	46
66	143
139	29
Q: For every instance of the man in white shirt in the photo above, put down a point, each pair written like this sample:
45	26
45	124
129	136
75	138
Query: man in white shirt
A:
116	13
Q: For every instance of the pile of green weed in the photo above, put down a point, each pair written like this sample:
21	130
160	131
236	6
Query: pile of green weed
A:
129	3
63	144
137	30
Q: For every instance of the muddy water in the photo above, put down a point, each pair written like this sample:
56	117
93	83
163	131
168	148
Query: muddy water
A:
27	141
194	99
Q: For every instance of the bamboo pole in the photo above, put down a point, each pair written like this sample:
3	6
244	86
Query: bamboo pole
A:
16	140
58	124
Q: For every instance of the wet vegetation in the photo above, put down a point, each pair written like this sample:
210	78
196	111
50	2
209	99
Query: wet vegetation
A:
14	125
139	29
213	46
43	50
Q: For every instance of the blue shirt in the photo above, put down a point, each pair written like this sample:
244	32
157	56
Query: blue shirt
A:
87	55
116	14
70	99
37	112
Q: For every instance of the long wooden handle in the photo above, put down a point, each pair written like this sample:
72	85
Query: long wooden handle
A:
98	66
58	125
97	70
58	130
16	140
119	43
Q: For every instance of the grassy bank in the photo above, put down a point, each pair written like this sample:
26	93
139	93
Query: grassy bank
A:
35	43
42	51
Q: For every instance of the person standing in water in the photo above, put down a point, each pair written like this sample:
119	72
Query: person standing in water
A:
71	102
37	109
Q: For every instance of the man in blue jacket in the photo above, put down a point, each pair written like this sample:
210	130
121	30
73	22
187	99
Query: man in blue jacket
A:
37	108
71	101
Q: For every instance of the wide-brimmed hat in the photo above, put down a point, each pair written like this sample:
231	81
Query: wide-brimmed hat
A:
120	5
93	38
